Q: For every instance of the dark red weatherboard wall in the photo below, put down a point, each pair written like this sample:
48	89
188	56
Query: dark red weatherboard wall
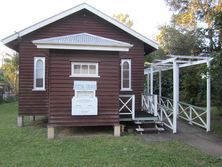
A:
36	103
61	87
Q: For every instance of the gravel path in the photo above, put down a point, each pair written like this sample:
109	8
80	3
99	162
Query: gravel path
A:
191	135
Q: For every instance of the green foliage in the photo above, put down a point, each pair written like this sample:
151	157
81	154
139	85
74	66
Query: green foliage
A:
123	18
193	86
216	119
179	41
158	54
2	78
216	72
190	13
10	71
28	146
185	36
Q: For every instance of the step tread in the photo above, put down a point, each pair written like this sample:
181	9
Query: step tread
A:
144	122
146	129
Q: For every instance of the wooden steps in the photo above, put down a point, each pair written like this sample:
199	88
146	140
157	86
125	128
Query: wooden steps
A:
145	122
148	126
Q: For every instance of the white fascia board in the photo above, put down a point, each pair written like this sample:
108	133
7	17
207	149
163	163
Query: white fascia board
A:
74	10
43	23
122	26
82	47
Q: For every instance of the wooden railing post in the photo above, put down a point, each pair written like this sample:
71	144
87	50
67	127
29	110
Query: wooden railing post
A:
151	80
155	105
142	95
133	107
190	116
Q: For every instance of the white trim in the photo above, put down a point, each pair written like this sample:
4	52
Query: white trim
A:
74	10
125	89
84	76
34	76
96	75
38	89
130	78
82	47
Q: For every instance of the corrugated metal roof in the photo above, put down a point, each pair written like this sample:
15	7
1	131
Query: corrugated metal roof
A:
83	39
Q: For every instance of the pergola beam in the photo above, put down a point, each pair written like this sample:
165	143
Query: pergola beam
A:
192	63
165	65
164	61
188	57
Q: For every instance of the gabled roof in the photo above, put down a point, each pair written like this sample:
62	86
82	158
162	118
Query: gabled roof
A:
82	41
74	10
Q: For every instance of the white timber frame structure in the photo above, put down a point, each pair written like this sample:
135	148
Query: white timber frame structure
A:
170	109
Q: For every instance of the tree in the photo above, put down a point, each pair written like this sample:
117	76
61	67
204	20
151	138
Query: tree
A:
180	41
123	18
188	13
207	15
10	71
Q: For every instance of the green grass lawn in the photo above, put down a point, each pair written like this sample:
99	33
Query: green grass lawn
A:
28	146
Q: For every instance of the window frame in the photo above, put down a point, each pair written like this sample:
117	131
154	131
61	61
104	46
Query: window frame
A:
96	75
130	75
34	77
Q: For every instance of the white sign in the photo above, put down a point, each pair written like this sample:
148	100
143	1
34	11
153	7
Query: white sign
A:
84	106
84	102
84	85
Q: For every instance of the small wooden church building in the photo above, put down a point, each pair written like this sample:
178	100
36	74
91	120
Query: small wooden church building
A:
77	67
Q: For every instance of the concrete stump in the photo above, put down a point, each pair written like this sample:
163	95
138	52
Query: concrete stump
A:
51	132
20	121
117	130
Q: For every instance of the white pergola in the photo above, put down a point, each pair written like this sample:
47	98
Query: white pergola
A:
175	62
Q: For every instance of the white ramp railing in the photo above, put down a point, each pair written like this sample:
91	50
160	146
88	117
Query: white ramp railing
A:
166	102
165	110
127	105
149	104
193	114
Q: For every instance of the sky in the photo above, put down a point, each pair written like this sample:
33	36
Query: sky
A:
146	15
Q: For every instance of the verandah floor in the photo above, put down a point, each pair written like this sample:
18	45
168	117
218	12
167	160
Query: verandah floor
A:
139	115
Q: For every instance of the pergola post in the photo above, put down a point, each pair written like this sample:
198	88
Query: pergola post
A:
208	96
175	94
160	85
148	82
151	79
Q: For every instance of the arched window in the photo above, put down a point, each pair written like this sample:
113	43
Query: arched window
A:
125	74
39	73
